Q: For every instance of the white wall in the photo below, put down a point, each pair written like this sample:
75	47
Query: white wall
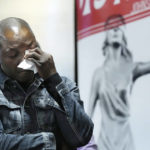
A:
53	24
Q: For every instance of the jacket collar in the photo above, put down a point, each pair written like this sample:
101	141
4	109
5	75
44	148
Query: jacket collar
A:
3	78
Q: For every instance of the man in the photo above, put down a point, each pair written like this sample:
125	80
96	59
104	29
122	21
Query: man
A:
40	111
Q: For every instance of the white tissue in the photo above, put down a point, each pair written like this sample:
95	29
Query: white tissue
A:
27	65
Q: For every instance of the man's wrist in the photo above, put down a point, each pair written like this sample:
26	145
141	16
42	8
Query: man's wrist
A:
53	81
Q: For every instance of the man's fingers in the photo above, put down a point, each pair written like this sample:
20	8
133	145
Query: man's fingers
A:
32	55
37	49
34	61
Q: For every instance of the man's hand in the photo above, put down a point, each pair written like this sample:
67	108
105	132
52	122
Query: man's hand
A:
43	61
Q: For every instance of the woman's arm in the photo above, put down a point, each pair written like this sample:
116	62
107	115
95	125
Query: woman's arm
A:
140	69
94	93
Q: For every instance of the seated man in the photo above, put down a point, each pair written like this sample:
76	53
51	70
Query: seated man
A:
41	111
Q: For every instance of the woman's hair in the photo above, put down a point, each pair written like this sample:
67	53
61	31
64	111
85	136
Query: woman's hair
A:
113	22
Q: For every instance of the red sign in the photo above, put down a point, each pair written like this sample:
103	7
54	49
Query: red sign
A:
92	14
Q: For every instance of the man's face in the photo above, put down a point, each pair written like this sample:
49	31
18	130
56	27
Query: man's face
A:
13	53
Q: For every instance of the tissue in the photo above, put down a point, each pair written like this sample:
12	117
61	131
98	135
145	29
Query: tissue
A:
27	65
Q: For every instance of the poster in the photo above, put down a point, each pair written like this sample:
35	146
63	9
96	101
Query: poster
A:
95	18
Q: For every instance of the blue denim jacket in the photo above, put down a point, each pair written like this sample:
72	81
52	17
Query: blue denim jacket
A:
48	116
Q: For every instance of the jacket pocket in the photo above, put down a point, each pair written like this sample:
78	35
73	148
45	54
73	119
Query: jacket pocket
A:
10	116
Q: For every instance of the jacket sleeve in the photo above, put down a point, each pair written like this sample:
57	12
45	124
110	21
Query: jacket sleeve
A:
75	125
39	141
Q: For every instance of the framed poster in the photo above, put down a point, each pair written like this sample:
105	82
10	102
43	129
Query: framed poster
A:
113	45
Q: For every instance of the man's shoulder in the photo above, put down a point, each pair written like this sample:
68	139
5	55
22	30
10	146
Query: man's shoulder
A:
67	82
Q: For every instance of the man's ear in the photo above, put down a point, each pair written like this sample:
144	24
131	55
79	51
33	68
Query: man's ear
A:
2	45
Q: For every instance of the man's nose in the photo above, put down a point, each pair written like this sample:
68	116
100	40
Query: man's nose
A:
20	58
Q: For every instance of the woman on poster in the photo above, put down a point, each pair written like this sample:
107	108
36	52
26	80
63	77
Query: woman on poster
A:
112	85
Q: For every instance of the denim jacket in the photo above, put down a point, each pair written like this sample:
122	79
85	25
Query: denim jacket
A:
48	116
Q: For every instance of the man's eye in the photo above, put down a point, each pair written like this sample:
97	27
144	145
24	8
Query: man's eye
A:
13	55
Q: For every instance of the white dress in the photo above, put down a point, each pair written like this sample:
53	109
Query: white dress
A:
113	91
